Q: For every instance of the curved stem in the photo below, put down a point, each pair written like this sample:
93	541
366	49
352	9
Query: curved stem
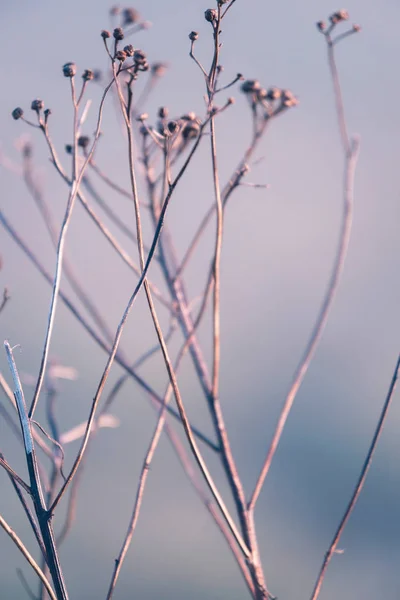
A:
360	484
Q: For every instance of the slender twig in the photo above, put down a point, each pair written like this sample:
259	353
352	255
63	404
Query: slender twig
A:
29	515
119	358
43	515
142	482
75	183
171	373
351	153
122	324
22	548
360	483
5	299
48	220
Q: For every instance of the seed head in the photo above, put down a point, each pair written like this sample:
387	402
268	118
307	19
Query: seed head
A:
17	113
47	113
340	15
250	86
274	94
211	15
356	27
163	112
129	50
68	148
69	69
115	10
288	99
83	141
130	16
139	57
173	126
37	105
193	36
120	55
321	26
105	34
87	75
190	130
118	34
143	117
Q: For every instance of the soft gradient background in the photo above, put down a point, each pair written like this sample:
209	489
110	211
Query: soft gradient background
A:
278	251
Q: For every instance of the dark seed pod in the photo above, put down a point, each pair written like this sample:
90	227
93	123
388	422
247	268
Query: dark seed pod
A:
69	69
17	113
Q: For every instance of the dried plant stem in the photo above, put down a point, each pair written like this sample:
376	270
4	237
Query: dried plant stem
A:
360	483
351	154
120	328
142	483
105	231
48	220
44	516
22	548
320	323
171	373
14	476
75	183
119	358
226	194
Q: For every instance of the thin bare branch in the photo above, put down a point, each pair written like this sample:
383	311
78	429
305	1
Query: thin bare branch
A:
29	558
360	483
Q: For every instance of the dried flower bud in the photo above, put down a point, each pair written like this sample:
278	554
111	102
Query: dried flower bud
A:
87	75
68	148
130	16
250	86
105	34
118	34
193	36
262	94
173	126
356	27
288	99
163	112
83	141
158	69
274	94
191	116
321	25
211	15
17	113
37	105
190	130
231	100
139	57
120	55
115	10
340	15
142	117
69	69
47	113
129	50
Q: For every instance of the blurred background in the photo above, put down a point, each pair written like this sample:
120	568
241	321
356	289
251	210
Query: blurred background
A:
279	245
